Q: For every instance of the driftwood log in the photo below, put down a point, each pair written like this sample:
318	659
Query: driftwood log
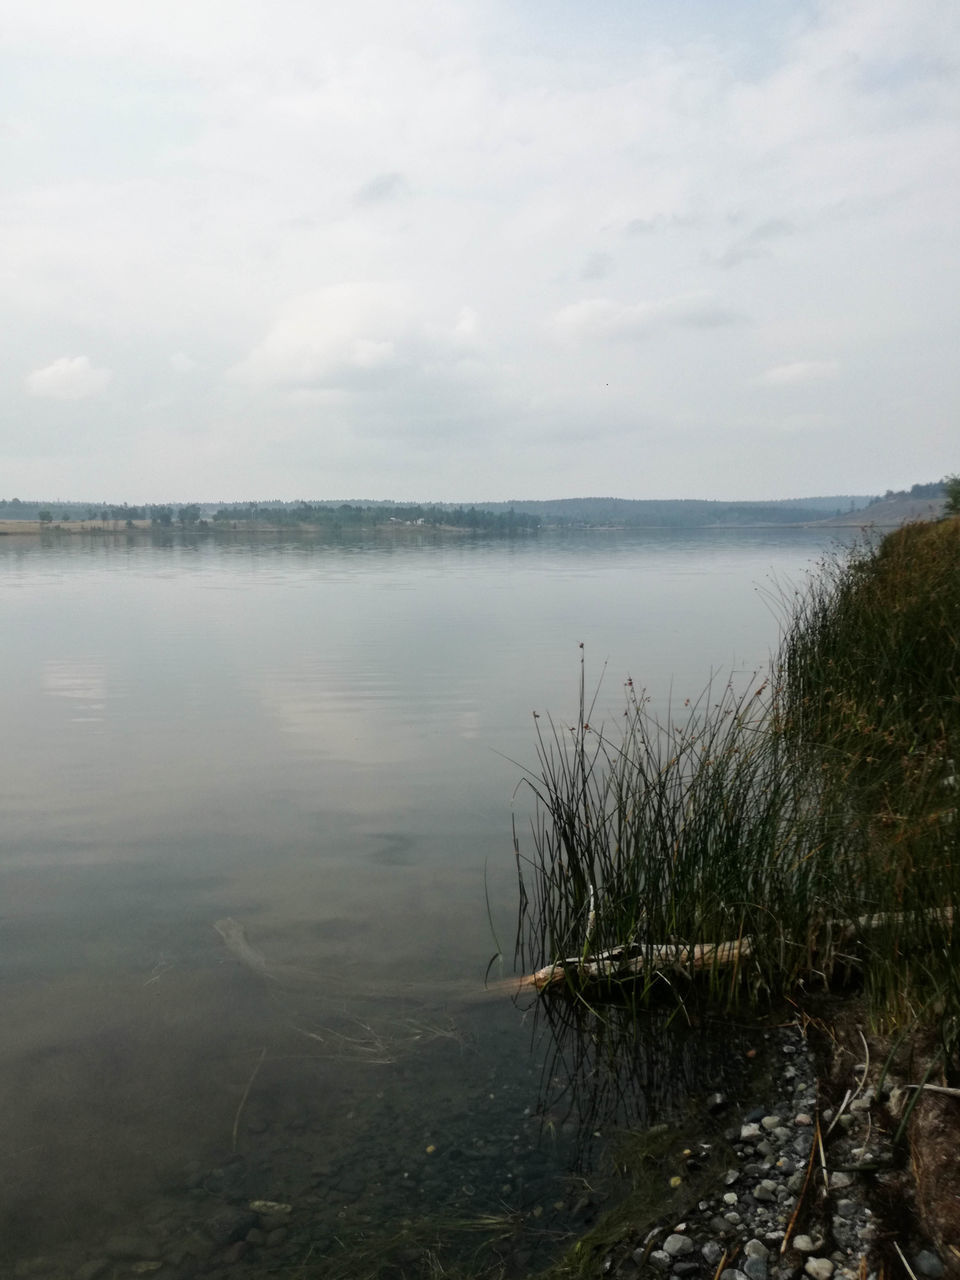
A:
634	960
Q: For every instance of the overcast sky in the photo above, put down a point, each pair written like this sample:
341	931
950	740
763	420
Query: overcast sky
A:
465	251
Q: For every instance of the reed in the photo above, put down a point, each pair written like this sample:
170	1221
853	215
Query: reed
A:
812	813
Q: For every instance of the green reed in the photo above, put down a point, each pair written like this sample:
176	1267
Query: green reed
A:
784	813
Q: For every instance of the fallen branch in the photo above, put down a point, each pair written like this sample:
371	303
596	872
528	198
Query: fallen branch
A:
635	960
632	961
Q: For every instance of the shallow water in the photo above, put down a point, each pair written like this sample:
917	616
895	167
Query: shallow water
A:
323	743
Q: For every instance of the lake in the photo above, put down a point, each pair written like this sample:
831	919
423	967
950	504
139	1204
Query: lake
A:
317	747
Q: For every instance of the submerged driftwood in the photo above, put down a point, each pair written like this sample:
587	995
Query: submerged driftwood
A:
634	960
235	939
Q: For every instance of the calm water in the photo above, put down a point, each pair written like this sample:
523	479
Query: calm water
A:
317	742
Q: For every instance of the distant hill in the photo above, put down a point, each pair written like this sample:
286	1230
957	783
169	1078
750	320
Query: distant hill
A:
888	513
921	502
678	513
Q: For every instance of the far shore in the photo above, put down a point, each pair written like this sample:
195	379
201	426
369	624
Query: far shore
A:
100	528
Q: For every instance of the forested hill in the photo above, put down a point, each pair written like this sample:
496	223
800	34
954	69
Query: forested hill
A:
922	501
682	512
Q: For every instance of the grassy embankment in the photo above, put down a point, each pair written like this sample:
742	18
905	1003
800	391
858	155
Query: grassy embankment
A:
811	823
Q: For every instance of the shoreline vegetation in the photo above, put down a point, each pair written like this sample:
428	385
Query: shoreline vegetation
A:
788	849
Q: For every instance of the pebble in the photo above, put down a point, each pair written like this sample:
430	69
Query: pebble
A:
819	1268
926	1263
229	1225
806	1244
747	1226
677	1245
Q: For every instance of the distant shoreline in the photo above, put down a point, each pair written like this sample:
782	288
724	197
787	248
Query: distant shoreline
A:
111	528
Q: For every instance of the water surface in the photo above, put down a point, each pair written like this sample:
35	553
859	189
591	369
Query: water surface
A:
322	743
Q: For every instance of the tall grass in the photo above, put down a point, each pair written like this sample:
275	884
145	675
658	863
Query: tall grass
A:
784	814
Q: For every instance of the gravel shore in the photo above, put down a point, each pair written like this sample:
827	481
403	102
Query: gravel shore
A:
799	1197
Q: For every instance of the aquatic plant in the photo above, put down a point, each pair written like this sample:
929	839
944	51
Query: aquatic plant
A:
772	837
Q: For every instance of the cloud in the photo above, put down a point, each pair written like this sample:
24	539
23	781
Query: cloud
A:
596	267
798	372
604	320
239	184
331	337
754	243
382	188
69	378
357	337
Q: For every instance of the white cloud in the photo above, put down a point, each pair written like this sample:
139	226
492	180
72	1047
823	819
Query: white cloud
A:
799	371
182	363
69	378
331	337
603	319
356	337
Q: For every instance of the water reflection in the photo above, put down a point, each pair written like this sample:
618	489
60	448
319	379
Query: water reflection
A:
612	1066
82	683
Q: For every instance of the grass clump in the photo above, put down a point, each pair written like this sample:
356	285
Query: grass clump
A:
809	820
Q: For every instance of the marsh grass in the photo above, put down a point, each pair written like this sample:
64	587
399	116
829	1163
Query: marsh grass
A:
786	812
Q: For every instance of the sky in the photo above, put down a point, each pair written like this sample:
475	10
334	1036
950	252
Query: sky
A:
473	251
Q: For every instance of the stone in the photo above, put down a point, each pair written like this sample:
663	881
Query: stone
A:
846	1208
755	1268
765	1191
682	1269
770	1123
712	1253
806	1244
841	1179
926	1263
756	1249
678	1246
660	1259
730	1197
818	1268
750	1132
230	1225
